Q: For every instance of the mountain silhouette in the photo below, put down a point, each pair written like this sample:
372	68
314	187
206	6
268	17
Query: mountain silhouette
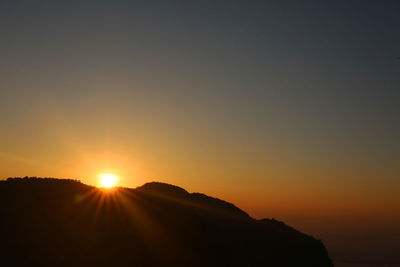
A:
61	222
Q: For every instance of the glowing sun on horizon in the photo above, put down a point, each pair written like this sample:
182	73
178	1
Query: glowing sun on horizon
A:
108	180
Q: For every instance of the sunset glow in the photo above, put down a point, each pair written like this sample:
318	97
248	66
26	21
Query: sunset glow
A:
285	109
108	180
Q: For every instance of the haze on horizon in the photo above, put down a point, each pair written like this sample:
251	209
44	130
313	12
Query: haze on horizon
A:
289	110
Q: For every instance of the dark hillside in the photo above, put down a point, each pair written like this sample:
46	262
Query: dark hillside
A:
52	222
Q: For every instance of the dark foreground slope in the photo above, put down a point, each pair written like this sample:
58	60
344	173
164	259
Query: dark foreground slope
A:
51	222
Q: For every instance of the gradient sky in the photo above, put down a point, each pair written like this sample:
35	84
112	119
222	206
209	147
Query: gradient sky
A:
289	109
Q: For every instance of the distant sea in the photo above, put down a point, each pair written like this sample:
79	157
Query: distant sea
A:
347	264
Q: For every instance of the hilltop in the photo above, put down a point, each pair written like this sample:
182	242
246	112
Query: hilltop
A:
58	222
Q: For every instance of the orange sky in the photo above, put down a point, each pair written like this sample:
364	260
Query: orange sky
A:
286	110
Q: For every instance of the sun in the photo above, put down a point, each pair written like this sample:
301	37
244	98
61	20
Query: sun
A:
108	180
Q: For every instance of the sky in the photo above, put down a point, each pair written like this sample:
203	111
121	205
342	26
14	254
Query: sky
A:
288	109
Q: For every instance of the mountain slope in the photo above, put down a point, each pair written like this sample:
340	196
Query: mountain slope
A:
52	222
